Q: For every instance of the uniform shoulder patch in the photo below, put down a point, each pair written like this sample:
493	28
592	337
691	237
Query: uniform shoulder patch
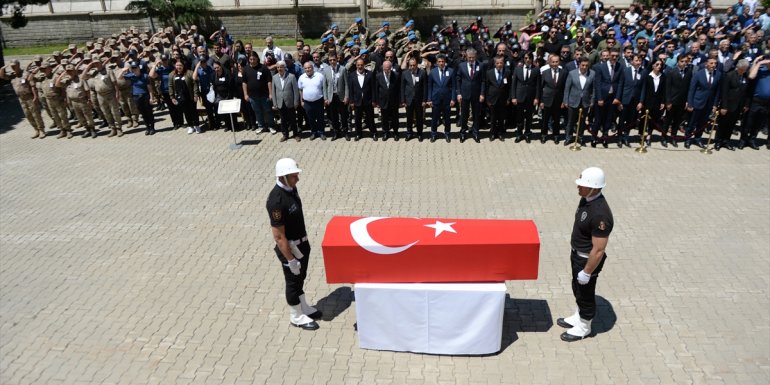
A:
602	225
276	215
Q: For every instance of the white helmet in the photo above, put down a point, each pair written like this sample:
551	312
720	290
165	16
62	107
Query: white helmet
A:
285	167
592	177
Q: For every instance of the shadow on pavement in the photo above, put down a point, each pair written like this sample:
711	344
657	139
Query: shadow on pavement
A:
10	109
605	317
335	303
524	315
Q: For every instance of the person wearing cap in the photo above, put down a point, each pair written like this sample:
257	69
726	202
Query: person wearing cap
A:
202	75
287	223
102	82
78	97
23	86
358	28
140	92
221	32
54	97
125	95
384	29
590	233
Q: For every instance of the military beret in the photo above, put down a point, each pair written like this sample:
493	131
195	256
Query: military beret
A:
409	23
386	24
359	20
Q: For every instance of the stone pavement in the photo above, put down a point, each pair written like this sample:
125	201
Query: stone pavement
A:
148	260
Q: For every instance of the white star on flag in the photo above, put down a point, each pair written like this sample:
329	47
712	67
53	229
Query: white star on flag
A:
440	227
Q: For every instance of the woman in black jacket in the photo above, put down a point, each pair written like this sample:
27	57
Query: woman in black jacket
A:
223	84
653	100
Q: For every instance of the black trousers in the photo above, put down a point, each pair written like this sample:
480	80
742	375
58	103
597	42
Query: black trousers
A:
415	116
552	113
674	119
585	295
143	104
288	120
211	114
524	111
360	111
295	284
604	116
755	118
389	119
498	113
190	111
572	121
174	111
338	114
440	112
726	125
628	118
468	106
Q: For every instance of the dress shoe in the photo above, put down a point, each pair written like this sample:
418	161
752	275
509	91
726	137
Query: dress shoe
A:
501	138
323	137
626	142
419	138
566	143
307	326
385	137
729	146
312	137
664	142
569	337
542	139
526	138
674	143
147	131
462	138
152	131
593	143
358	137
687	144
297	138
334	136
741	145
699	143
408	137
605	144
561	322
395	137
476	139
432	139
375	138
753	145
284	138
717	146
620	143
556	140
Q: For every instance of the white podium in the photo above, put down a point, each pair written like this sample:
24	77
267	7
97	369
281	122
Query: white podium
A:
435	318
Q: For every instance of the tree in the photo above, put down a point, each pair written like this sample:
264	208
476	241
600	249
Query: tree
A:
408	5
172	12
18	20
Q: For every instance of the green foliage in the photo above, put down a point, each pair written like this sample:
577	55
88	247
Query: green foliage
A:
766	3
172	12
16	8
408	5
529	18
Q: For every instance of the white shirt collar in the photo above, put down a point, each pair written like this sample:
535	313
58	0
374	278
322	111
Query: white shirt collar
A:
283	186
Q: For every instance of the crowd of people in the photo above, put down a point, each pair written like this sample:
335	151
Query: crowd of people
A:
589	72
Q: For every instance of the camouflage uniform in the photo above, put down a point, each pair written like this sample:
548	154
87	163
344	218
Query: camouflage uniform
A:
102	83
54	97
77	94
23	88
127	103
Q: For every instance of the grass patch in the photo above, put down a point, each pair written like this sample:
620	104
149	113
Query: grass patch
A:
48	49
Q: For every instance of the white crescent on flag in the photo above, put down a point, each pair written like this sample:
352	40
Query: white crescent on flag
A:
361	235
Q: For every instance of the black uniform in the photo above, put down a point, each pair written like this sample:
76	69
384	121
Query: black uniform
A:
592	219
285	209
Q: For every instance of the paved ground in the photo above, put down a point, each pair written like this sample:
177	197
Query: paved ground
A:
147	260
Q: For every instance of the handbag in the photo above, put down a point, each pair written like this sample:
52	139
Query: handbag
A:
211	97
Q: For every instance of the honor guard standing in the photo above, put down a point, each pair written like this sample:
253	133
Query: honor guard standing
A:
54	97
78	98
22	84
590	233
102	82
291	244
127	103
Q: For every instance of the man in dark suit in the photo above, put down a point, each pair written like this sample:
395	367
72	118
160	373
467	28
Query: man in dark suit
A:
413	90
336	78
441	94
608	74
470	77
386	98
496	91
579	97
550	96
361	88
524	96
702	96
677	84
734	94
629	93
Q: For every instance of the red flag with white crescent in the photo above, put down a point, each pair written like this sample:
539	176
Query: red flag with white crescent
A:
400	250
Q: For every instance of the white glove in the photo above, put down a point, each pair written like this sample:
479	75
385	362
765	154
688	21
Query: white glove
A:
295	266
295	250
583	277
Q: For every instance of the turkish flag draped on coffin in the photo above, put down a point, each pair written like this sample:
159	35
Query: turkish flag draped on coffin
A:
401	250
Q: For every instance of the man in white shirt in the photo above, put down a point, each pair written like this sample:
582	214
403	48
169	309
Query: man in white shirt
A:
311	88
277	52
579	96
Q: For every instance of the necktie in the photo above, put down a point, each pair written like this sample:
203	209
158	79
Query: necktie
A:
498	77
555	76
473	70
633	74
708	76
612	71
526	73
